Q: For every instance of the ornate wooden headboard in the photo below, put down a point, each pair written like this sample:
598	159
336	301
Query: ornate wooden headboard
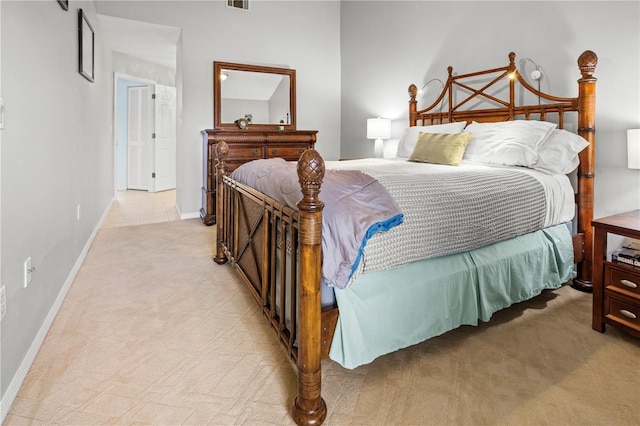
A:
491	96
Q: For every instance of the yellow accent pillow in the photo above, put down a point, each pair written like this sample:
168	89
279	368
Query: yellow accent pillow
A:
441	148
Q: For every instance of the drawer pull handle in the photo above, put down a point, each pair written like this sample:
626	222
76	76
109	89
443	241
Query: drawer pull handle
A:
628	314
628	283
301	150
274	151
255	152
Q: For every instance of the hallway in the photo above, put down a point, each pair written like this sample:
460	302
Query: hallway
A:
140	207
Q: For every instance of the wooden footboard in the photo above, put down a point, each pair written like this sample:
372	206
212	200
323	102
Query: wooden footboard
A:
276	251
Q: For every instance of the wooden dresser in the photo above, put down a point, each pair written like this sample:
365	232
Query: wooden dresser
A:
244	146
616	286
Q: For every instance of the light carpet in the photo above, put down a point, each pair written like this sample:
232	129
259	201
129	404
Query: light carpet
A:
153	332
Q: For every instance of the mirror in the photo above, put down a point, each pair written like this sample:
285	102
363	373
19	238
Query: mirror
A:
265	97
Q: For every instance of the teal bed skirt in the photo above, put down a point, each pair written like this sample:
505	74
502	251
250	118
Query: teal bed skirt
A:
384	311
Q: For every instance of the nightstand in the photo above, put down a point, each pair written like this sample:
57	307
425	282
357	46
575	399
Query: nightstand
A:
616	286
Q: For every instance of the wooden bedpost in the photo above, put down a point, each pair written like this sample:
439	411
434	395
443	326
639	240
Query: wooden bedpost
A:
586	128
222	150
413	105
511	69
309	408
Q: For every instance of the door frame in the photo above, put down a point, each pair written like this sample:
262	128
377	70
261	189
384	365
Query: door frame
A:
121	76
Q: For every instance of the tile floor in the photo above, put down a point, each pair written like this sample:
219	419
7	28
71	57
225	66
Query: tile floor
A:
139	207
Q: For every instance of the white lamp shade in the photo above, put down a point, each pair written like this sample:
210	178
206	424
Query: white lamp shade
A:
633	148
378	128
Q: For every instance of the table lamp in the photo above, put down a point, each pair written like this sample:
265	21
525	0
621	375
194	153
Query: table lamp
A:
633	148
378	129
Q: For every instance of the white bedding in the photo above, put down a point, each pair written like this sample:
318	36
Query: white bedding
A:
558	190
400	245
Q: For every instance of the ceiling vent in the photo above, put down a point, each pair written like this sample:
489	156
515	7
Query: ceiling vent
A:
238	4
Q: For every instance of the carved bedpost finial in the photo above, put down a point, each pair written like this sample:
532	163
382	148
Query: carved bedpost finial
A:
222	151
512	61
450	70
587	63
413	104
413	92
310	173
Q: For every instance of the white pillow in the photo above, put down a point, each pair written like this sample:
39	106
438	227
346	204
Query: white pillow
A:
558	154
410	136
513	143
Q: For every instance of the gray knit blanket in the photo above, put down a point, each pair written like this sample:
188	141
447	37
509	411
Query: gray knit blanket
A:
450	210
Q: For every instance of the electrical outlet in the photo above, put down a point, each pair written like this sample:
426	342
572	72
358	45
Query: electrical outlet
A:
3	302
78	212
27	272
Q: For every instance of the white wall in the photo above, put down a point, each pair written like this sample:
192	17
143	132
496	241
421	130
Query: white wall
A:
387	45
136	67
304	36
57	153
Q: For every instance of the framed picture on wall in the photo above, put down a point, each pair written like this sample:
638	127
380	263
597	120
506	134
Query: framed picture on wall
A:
64	4
85	46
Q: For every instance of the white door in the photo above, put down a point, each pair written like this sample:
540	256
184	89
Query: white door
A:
164	156
139	137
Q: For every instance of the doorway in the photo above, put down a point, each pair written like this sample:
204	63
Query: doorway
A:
145	148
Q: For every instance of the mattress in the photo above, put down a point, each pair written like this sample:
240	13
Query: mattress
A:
455	209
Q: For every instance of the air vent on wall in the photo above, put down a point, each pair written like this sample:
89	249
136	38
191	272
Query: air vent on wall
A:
238	4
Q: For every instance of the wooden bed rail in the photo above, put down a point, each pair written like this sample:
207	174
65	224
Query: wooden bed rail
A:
505	109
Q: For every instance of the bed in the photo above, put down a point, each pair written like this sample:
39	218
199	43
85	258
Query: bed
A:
382	301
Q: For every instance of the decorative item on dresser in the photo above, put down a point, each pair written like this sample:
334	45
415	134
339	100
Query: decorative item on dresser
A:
282	250
266	97
616	285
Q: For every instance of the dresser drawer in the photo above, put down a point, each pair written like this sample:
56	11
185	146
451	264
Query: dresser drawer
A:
288	152
622	280
246	153
622	312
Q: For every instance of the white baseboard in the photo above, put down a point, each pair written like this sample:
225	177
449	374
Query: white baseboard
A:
190	215
183	216
14	387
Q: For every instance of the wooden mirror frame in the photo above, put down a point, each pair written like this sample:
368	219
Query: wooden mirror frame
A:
217	99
